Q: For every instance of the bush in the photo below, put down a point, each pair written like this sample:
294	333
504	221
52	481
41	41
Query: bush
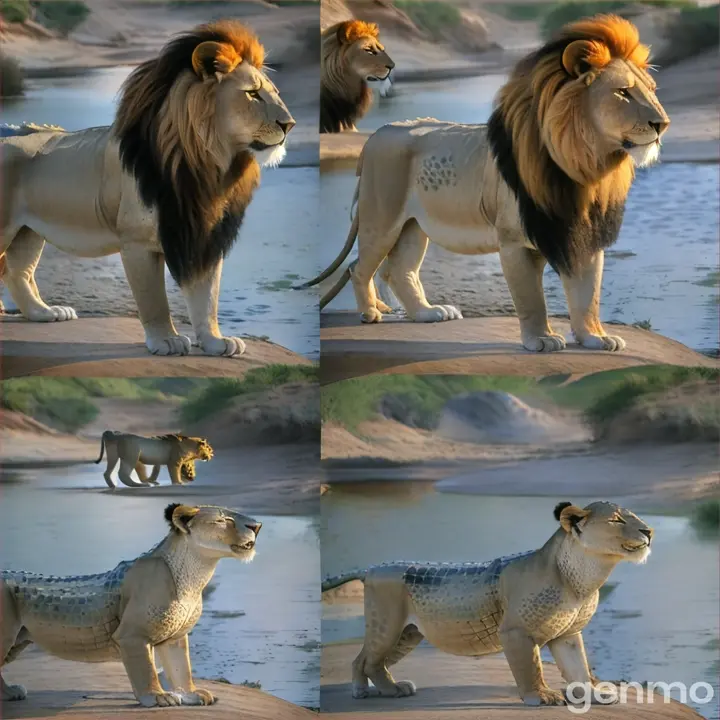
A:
15	11
430	15
62	15
12	82
706	517
695	30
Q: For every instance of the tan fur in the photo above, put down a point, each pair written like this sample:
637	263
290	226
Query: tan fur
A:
427	180
176	452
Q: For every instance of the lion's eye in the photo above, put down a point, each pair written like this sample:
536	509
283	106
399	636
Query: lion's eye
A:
253	94
618	520
623	93
371	51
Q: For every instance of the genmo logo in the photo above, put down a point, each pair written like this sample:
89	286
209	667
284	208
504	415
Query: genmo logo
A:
582	696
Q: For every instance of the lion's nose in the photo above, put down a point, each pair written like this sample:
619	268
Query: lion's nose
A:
647	532
255	528
287	126
390	66
660	127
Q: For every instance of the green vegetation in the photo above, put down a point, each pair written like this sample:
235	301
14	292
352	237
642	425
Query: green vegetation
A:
521	12
61	15
696	30
219	393
430	15
15	11
11	78
706	517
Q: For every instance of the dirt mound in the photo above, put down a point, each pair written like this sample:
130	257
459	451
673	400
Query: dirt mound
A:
290	413
383	12
334	11
12	421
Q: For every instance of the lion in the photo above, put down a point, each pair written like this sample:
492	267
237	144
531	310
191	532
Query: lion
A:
515	604
167	183
545	181
140	609
352	55
177	452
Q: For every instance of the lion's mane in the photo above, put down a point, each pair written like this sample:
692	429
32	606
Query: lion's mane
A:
571	201
167	131
342	104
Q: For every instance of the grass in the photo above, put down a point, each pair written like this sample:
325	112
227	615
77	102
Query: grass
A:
218	394
15	11
430	15
61	15
705	519
12	83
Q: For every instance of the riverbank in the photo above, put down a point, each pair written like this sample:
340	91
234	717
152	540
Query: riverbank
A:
457	688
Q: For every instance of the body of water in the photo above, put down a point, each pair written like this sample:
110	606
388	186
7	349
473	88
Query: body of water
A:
276	245
658	623
260	621
663	269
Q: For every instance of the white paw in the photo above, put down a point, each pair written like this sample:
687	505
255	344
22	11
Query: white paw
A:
611	343
171	345
437	313
373	315
360	692
161	699
54	313
14	692
405	688
545	343
222	346
199	697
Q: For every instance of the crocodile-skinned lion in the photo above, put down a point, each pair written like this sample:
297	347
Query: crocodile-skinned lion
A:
352	55
516	604
545	181
167	184
140	609
176	452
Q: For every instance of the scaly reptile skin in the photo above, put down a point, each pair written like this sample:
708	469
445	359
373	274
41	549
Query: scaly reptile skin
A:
72	617
457	604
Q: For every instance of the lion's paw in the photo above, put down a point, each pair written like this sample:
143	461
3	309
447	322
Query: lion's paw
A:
360	691
545	696
597	692
199	696
611	343
405	688
161	699
222	346
383	307
545	343
373	315
14	692
437	313
52	313
171	345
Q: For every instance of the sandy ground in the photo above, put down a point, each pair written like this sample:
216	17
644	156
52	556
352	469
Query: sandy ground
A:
478	346
68	690
72	349
457	688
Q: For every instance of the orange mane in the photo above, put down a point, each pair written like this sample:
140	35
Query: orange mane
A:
352	30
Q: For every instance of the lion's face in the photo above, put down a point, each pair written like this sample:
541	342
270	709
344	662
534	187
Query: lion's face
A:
608	529
215	531
626	112
198	448
251	114
367	59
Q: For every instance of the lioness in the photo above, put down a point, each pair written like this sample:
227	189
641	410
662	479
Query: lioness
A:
515	604
545	181
143	606
176	452
352	56
168	183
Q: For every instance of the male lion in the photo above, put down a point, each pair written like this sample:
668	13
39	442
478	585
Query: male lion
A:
139	609
545	181
167	183
351	55
515	604
177	452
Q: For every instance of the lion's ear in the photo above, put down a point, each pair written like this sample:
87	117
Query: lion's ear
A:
569	515
179	516
582	56
214	58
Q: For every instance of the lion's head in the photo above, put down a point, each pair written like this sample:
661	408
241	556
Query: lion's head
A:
215	531
606	529
352	56
192	125
195	448
569	127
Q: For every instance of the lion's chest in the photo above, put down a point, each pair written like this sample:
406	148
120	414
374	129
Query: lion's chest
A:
549	614
175	619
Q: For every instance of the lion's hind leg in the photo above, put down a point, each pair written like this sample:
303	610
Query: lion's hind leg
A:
13	639
112	459
582	291
387	639
404	262
22	257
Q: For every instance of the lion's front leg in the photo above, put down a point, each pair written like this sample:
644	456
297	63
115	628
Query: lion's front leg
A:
201	297
145	272
175	659
582	290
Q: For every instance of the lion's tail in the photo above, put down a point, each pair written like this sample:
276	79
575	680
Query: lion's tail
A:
103	439
334	581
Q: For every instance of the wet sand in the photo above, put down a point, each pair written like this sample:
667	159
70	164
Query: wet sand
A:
478	346
115	347
457	688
